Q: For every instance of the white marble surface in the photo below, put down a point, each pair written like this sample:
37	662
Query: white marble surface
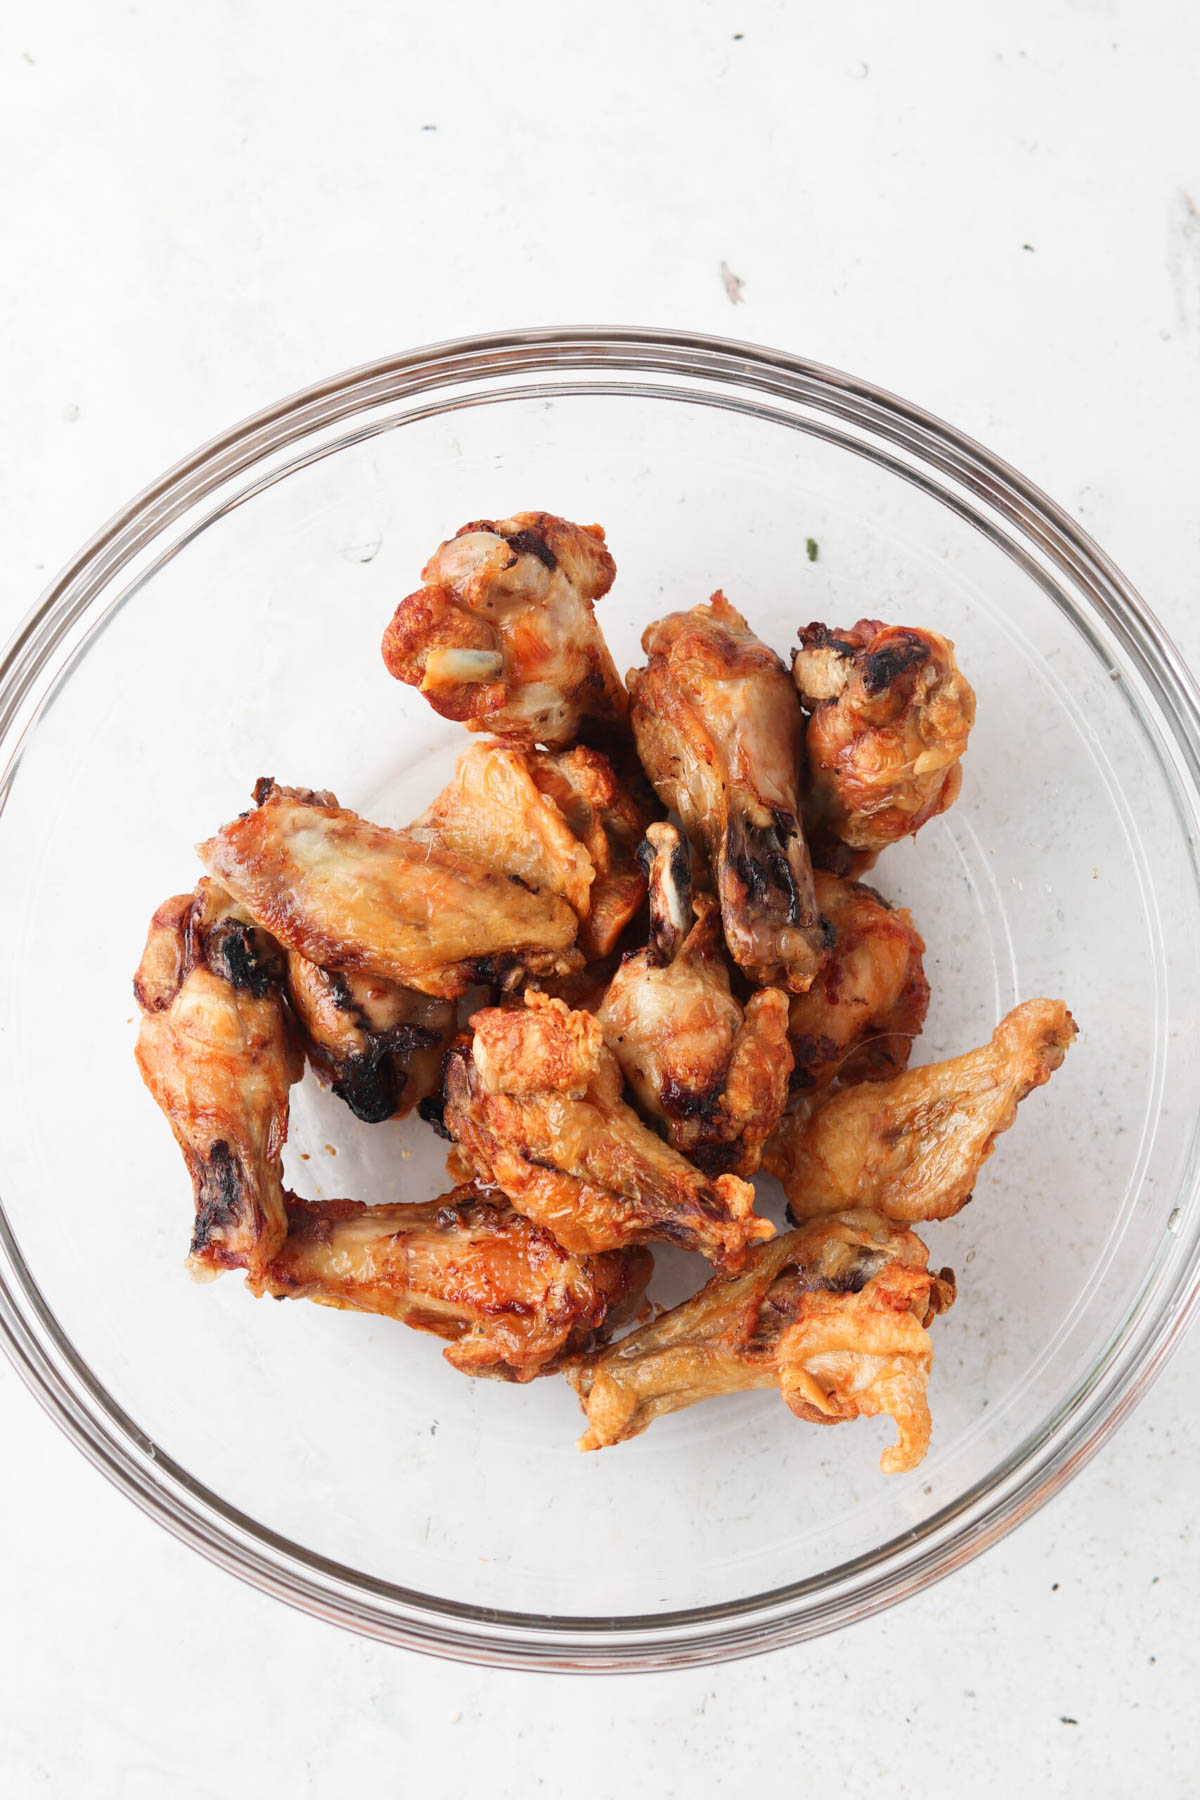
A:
995	211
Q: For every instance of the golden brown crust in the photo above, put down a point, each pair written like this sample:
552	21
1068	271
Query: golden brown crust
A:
608	814
861	1016
889	716
357	897
718	728
581	1163
217	1050
467	1268
833	1314
503	635
912	1147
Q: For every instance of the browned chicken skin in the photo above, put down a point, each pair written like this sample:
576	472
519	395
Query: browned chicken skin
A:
712	1073
503	635
218	1051
379	1046
718	728
608	813
860	1017
534	1103
465	1267
889	716
360	899
834	1315
494	811
911	1147
562	823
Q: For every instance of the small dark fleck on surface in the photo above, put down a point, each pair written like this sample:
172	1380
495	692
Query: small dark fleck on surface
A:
29	59
1027	247
1152	1659
1066	1719
1054	1588
733	285
429	128
737	38
433	1429
812	549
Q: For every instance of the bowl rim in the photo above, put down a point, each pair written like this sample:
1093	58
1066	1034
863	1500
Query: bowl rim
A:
60	1379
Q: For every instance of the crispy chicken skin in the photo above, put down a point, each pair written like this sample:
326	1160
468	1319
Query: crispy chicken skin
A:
218	1051
718	728
494	811
888	718
860	1017
503	635
534	1104
377	1045
834	1315
711	1073
608	813
465	1267
912	1147
357	898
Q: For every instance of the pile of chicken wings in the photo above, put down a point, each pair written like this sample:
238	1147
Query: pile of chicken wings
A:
622	962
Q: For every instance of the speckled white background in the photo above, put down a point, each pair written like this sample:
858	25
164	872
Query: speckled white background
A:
994	211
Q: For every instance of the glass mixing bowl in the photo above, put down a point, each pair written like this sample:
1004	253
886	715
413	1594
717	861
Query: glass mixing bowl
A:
226	626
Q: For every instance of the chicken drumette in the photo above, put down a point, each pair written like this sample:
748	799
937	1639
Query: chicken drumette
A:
466	1267
834	1315
712	1073
718	728
356	898
534	1104
912	1147
503	635
218	1050
860	1017
889	715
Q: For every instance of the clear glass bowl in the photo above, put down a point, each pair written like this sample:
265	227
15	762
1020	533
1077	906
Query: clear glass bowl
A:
226	626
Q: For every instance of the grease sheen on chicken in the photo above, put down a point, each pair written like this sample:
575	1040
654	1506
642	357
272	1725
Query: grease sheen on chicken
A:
912	1147
711	1072
465	1267
534	1103
362	899
889	714
834	1315
503	635
218	1051
718	728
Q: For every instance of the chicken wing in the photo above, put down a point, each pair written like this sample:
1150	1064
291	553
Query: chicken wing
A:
608	813
504	637
377	1045
534	1104
712	1073
496	812
218	1051
465	1267
912	1147
718	728
860	1017
356	898
834	1315
889	715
